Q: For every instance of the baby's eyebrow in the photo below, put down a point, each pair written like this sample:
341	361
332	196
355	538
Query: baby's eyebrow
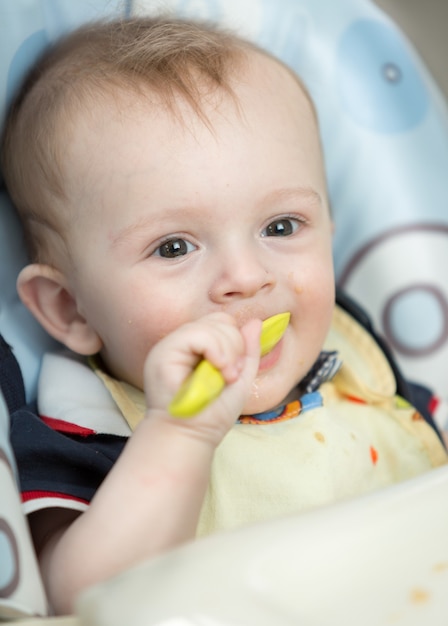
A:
305	194
148	223
123	235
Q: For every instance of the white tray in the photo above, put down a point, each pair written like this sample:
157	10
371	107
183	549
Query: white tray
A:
379	560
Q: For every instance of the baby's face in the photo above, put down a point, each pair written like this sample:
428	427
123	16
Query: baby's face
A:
177	220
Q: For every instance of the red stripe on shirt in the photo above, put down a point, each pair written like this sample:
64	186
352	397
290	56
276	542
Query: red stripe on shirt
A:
67	427
433	404
37	495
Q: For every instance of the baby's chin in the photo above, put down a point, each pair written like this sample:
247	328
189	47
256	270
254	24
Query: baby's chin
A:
259	403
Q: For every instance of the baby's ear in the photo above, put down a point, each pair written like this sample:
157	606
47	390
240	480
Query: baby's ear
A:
44	291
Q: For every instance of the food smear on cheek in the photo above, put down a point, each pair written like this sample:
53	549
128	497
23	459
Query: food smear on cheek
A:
297	287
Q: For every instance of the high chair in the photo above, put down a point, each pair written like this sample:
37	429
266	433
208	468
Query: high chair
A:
375	560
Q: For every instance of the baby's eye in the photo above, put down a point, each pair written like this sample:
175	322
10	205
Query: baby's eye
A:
172	248
281	228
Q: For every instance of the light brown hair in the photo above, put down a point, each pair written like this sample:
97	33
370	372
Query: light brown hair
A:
163	56
171	57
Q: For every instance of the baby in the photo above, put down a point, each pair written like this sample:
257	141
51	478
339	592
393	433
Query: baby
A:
170	182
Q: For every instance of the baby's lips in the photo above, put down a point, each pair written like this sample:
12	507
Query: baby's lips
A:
206	382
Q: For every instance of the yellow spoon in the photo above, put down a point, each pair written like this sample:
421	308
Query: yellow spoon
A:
206	382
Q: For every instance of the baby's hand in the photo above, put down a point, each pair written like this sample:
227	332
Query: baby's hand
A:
234	352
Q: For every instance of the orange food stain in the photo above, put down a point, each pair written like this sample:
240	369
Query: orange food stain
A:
355	399
440	567
419	596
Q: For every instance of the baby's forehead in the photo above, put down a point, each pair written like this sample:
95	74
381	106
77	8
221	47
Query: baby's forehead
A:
257	71
263	76
257	81
262	68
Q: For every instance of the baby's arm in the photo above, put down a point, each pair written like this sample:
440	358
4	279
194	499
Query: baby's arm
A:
151	499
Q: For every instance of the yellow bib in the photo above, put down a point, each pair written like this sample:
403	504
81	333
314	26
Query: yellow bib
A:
359	437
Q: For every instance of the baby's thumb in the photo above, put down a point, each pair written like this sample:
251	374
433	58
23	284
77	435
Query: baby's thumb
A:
251	333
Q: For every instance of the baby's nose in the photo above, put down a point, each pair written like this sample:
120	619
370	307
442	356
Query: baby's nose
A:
241	276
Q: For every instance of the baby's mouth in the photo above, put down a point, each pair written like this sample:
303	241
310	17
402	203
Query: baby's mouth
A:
205	383
271	358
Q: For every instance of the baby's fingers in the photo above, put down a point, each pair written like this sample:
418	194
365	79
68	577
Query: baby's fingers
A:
206	382
171	364
201	387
